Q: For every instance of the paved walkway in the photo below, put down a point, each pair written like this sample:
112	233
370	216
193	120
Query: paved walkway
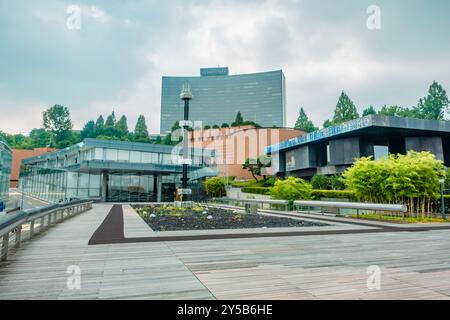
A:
414	265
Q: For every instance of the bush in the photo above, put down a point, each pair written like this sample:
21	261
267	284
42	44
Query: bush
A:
411	179
322	182
257	190
291	189
334	194
215	187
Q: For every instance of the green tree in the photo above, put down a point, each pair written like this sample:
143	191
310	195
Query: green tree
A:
57	121
396	111
140	131
99	126
110	121
434	105
88	130
256	166
327	123
303	122
225	125
345	110
238	121
291	189
122	126
369	111
40	138
215	187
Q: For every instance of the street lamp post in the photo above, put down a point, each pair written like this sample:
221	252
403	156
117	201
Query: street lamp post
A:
441	182
185	96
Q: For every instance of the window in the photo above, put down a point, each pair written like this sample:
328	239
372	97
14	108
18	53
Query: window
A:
98	154
380	152
328	154
111	155
135	156
123	155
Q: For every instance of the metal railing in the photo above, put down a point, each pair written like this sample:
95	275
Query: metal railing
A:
359	207
269	204
12	224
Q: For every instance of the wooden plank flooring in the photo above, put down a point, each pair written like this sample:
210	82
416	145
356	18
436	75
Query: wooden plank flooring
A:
414	265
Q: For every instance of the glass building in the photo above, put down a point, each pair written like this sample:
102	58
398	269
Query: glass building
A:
5	170
218	96
112	171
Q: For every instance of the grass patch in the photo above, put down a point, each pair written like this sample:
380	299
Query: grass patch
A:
397	219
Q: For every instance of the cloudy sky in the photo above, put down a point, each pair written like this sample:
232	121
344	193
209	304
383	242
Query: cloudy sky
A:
116	59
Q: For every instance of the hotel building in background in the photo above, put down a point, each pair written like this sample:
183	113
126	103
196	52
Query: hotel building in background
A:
218	97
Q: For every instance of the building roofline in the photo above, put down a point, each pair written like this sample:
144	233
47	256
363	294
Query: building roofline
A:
359	124
5	146
227	76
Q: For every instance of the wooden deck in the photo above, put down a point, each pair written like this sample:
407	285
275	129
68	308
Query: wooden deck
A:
415	265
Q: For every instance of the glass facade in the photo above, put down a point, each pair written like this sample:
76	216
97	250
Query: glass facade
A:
113	171
5	170
260	97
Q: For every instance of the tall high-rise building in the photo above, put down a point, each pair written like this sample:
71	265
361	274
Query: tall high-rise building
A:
218	97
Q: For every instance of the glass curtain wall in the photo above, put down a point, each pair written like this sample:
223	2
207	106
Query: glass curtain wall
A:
5	170
43	183
131	188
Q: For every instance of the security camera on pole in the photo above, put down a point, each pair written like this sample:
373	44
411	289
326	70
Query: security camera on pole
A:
185	96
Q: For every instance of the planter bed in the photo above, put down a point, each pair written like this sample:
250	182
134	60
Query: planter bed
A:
170	218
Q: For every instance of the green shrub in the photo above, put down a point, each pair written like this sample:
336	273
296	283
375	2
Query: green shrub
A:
322	182
257	190
215	187
411	179
334	194
291	189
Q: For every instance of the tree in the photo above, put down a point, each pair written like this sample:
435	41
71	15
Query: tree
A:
122	126
303	122
238	121
40	138
88	130
140	131
291	189
225	125
99	126
345	110
57	121
256	166
110	121
433	106
396	111
327	123
369	111
216	126
215	187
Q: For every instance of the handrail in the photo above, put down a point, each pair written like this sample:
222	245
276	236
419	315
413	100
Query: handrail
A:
352	205
13	222
266	201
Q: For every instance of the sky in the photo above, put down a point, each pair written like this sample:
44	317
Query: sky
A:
122	48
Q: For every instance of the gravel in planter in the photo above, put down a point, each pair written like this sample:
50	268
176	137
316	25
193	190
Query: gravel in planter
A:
169	218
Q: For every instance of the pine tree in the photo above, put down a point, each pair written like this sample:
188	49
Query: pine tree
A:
99	126
238	121
122	126
110	121
140	131
434	105
345	110
303	122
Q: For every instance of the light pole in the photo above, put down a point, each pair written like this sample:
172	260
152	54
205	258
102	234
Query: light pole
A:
441	182
185	96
